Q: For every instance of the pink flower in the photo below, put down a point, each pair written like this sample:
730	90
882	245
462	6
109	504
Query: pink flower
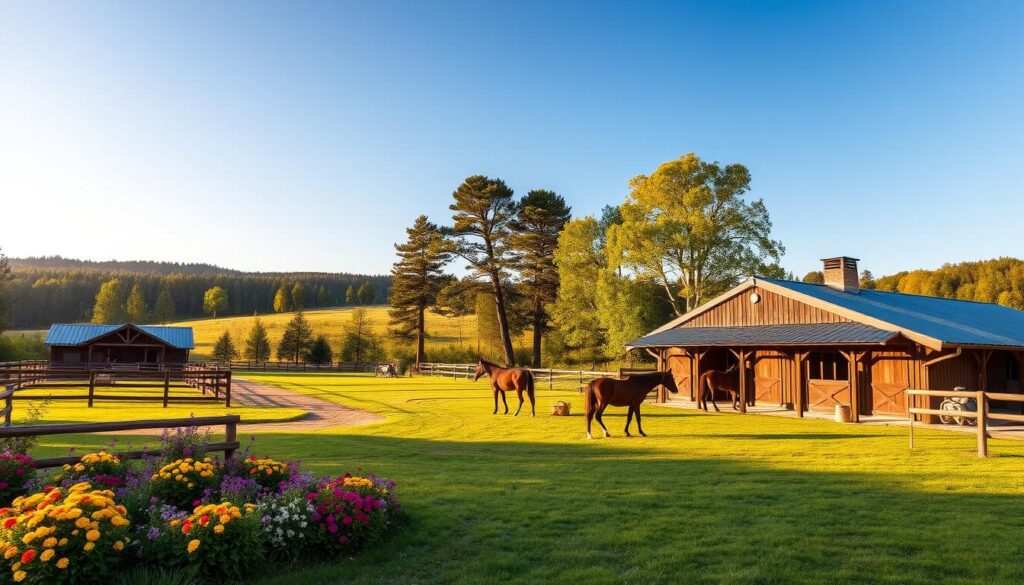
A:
346	520
342	539
332	528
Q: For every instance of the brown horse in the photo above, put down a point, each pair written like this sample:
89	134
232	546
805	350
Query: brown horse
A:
630	391
727	381
504	379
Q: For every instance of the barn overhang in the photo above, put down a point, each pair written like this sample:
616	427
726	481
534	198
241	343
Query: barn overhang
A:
807	334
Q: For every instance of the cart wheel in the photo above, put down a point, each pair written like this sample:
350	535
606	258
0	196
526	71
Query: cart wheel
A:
951	406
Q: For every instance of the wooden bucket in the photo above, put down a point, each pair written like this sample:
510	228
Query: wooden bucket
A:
560	409
843	413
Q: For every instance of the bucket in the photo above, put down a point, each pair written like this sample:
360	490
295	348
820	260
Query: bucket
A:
842	413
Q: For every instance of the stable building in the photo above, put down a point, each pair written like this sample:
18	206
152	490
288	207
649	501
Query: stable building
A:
808	347
97	345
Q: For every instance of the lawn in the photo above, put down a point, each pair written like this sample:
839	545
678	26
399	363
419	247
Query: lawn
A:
443	331
707	498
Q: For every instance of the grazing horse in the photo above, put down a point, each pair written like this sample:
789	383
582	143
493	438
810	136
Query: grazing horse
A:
504	379
728	381
630	391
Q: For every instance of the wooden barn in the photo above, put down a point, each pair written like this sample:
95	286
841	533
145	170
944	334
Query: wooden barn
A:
808	347
118	344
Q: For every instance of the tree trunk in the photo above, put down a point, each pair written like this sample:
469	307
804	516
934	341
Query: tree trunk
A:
538	331
506	337
420	335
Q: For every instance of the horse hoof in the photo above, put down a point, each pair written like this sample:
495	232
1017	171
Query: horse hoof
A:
607	434
643	434
589	436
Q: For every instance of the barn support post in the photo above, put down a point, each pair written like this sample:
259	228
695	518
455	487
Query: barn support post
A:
853	359
230	436
800	357
743	381
167	388
982	424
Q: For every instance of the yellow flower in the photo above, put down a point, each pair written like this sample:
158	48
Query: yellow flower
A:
89	546
50	542
62	542
10	552
82	522
218	528
28	538
93	535
62	563
19	576
47	555
225	519
193	545
118	545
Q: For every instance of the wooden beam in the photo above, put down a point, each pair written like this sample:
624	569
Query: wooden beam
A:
743	381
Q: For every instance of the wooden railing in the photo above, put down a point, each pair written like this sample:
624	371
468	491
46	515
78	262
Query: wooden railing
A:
549	377
228	446
285	366
982	415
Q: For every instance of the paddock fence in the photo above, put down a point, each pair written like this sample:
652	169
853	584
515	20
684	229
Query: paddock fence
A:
286	366
983	415
550	378
228	446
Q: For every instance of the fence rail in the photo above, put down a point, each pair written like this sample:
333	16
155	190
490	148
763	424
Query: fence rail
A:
284	366
552	378
982	415
228	446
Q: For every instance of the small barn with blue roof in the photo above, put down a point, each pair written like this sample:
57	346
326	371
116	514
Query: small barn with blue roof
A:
810	347
118	344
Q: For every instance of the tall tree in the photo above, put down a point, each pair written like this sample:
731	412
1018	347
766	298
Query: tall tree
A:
367	293
323	298
138	312
5	279
320	352
296	340
163	312
224	350
814	277
257	344
483	209
109	307
689	228
581	261
298	297
867	280
283	299
416	279
358	340
351	298
540	218
215	299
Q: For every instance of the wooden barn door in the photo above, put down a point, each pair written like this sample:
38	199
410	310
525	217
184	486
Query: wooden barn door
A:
768	370
828	381
890	378
680	367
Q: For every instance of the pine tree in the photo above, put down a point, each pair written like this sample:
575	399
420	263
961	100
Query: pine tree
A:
283	299
350	295
138	312
359	342
867	280
539	221
416	279
163	312
257	344
215	299
320	352
297	339
298	297
323	298
224	350
367	293
482	209
109	307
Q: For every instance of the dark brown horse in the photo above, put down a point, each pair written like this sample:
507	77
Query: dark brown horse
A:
727	381
630	392
505	379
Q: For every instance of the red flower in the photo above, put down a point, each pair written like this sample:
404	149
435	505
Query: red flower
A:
204	520
186	527
10	522
28	556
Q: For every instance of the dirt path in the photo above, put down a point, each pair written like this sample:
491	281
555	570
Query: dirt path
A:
322	413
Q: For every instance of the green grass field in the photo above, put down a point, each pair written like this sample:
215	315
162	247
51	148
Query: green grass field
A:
443	331
705	499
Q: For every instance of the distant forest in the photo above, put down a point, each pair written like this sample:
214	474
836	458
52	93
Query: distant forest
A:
54	289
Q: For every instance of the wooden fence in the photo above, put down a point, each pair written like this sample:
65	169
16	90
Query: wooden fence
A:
983	415
284	366
552	378
228	446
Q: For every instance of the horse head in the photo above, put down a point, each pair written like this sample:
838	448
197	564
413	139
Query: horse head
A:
669	381
480	371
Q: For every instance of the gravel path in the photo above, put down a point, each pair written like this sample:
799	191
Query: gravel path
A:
323	414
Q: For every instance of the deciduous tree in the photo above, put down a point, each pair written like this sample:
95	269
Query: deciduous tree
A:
109	307
283	299
539	220
358	341
138	312
483	209
163	312
351	298
367	293
298	297
416	279
215	299
580	261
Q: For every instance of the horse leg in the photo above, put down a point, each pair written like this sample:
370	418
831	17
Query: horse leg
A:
519	393
711	392
505	401
638	427
600	411
735	400
629	419
495	401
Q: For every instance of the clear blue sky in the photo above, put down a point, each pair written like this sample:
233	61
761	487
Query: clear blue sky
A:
289	137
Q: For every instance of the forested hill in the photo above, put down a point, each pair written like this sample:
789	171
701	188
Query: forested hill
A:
1000	280
52	290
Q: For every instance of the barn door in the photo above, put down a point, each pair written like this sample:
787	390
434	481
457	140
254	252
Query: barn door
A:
828	381
768	379
679	365
889	382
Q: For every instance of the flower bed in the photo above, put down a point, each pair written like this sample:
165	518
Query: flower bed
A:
211	520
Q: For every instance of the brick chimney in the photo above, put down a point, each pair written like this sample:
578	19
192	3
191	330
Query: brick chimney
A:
841	274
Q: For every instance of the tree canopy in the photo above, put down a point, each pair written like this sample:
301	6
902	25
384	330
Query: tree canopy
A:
257	344
416	279
215	299
109	306
296	340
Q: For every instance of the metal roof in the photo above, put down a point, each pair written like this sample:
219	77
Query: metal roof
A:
951	321
801	334
68	334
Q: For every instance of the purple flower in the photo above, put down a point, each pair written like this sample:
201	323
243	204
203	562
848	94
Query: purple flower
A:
153	533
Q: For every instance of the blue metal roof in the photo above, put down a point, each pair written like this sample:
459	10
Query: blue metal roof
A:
68	334
950	321
800	334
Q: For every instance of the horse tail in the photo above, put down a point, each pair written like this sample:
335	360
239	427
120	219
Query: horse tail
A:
588	400
530	384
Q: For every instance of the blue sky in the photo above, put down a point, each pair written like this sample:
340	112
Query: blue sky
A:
308	136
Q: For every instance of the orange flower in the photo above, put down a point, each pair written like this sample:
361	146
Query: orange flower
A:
204	520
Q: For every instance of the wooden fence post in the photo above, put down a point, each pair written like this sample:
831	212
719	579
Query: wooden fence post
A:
167	388
982	424
230	436
551	379
909	414
9	405
92	386
227	392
